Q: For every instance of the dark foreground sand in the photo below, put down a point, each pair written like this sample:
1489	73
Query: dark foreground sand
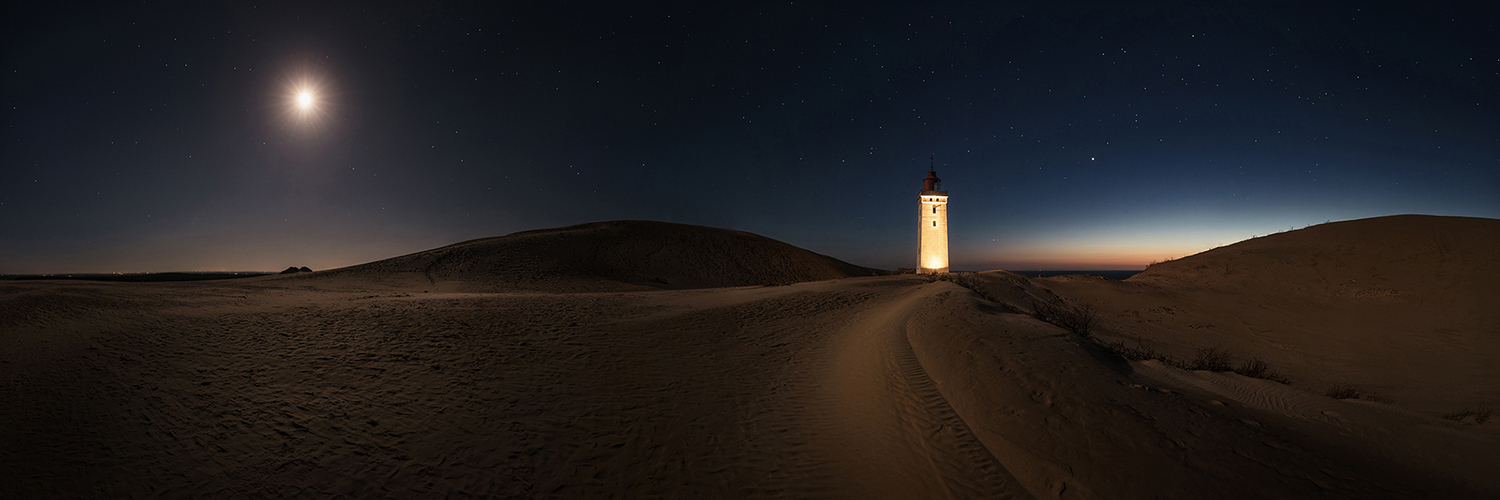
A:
865	387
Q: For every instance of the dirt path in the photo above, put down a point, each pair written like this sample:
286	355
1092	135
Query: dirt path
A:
893	431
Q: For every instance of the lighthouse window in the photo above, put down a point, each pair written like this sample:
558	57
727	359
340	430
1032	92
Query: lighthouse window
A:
934	209
934	223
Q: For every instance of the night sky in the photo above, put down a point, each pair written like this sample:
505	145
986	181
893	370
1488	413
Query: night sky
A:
143	136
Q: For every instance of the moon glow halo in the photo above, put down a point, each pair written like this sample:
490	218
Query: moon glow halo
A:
306	102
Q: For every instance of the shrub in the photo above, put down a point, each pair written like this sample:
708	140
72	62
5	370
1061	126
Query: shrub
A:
966	280
1343	391
1254	367
1211	359
1349	391
1137	353
1076	319
1163	261
1259	368
963	279
1480	416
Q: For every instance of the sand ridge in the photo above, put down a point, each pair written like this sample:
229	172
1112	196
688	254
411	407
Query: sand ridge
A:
599	256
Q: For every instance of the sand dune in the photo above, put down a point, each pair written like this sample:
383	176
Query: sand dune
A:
1410	256
1405	306
605	256
354	382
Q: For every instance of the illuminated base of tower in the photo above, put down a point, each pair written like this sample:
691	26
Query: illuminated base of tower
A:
929	270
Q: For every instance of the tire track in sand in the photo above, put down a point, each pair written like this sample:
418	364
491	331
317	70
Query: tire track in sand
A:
888	425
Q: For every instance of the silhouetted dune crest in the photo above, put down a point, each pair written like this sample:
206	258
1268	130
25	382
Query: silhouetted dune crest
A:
614	255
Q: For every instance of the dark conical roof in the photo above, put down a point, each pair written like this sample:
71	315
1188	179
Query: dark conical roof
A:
931	182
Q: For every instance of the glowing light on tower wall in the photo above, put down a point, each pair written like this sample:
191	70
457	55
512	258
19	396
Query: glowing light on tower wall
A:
933	227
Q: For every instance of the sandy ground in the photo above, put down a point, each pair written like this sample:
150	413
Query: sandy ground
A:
885	387
869	387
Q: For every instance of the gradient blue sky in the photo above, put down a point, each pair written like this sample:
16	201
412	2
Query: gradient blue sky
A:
156	136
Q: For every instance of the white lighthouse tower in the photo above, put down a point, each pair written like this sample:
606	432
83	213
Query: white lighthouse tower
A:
933	233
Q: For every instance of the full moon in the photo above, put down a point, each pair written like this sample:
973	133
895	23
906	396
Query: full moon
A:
305	102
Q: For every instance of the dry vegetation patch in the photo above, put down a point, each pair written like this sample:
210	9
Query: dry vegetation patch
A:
1078	319
1351	391
968	280
1479	416
1211	359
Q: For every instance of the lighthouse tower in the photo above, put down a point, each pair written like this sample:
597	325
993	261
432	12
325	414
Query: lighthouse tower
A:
933	233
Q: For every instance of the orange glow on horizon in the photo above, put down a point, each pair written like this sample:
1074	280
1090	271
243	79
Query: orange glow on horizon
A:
1108	246
1081	257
